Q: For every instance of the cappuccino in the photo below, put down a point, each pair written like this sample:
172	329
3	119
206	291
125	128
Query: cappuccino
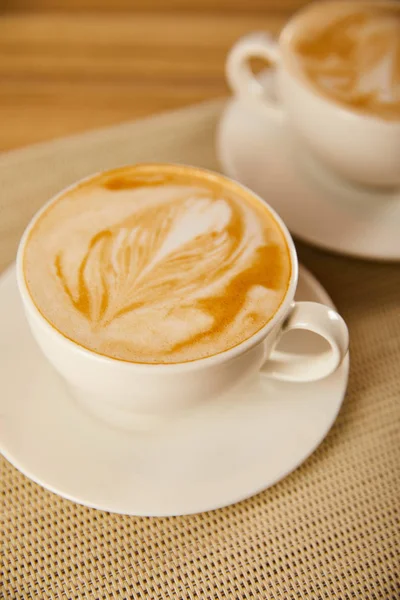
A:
350	52
157	264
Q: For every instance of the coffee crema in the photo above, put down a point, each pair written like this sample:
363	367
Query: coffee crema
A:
350	52
157	264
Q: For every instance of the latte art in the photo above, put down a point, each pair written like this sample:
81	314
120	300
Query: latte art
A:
157	267
351	53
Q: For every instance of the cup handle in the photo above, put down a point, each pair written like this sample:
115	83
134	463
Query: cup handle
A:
240	77
323	321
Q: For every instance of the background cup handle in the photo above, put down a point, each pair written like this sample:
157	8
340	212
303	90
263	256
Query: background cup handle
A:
323	321
239	75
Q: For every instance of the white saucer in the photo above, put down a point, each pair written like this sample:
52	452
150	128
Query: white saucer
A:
213	456
318	207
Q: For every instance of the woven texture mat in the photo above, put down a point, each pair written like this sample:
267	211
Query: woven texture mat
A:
329	530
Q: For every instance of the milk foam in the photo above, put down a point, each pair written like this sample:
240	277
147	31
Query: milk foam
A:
351	51
165	272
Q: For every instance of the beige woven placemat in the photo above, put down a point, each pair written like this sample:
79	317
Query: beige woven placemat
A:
329	530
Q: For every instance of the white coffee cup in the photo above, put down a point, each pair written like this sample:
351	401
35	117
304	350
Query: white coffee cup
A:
359	147
122	393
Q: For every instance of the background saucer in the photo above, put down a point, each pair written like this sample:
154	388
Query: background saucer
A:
211	457
317	207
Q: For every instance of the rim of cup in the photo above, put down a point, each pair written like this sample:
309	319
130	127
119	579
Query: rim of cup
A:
198	363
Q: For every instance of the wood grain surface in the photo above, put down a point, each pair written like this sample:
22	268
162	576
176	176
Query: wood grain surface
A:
71	65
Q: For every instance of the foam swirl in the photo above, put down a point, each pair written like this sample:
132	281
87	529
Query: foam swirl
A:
177	251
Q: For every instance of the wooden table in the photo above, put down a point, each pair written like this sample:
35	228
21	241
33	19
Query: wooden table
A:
71	65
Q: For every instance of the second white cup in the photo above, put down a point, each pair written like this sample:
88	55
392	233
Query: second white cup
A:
360	147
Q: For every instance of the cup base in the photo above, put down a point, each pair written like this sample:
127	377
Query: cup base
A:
115	417
129	420
323	174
